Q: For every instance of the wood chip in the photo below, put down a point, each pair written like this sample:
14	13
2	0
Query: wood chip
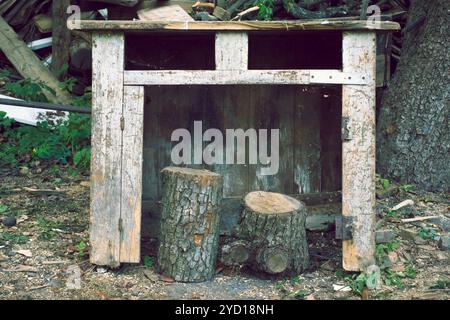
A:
26	253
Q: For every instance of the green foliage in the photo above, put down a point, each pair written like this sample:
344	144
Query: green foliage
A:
406	187
148	262
392	278
27	89
66	142
3	208
442	284
427	233
46	227
383	249
357	282
80	247
381	182
265	9
13	238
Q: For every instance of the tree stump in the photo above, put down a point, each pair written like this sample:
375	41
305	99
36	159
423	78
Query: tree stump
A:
274	224
189	224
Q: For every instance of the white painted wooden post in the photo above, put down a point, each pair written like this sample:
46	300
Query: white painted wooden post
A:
133	134
231	51
106	159
358	150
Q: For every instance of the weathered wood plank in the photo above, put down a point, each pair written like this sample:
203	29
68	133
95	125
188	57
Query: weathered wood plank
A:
272	107
230	77
307	153
287	25
231	51
106	182
131	198
358	150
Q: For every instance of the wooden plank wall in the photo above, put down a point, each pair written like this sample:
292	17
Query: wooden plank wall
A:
308	119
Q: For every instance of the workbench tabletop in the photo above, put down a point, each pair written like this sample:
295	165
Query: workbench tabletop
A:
287	25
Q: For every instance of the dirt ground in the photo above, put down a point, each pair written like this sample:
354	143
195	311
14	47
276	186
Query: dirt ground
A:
41	256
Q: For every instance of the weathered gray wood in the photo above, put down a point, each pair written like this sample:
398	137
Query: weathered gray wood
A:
231	51
274	225
229	77
189	224
307	152
358	151
131	197
106	169
327	24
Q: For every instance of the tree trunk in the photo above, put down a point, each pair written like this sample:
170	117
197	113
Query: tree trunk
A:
413	126
189	224
274	225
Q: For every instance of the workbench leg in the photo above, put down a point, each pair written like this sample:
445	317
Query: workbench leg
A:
358	150
133	134
106	158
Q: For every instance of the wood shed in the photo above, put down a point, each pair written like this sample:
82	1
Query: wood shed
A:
314	80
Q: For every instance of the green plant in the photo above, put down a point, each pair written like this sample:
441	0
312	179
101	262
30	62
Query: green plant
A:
427	233
406	187
384	183
410	271
67	141
357	282
148	262
383	249
13	238
441	284
80	248
3	208
391	278
265	9
27	89
294	281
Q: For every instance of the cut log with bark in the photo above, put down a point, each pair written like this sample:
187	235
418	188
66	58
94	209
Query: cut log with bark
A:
28	65
235	253
189	224
274	225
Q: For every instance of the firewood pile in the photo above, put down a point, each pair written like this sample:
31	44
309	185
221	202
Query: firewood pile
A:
68	53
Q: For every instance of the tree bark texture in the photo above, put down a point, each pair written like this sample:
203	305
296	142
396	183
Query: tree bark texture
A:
413	127
273	225
189	224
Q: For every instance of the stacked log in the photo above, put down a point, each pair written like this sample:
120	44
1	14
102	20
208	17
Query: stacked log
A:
271	235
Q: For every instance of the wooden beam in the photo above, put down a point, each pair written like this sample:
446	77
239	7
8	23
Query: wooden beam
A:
358	150
106	160
288	25
231	51
28	65
131	197
61	37
224	77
